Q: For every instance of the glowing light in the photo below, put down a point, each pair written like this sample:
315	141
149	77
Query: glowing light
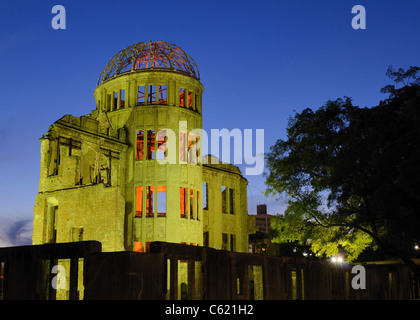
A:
337	259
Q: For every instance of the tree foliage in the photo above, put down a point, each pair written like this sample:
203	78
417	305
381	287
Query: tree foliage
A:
352	174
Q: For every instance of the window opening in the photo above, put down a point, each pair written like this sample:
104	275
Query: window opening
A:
183	147
192	149
190	99
224	199
152	94
232	242
139	201
163	94
150	145
122	99
53	224
191	203
115	101
182	97
205	196
150	190
140	145
197	148
139	247
161	201
198	205
141	96
205	239
183	202
161	145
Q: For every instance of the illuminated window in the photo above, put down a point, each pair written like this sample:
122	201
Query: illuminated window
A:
198	204
138	246
224	199
183	147
191	203
139	201
141	96
183	202
161	201
182	97
150	190
205	196
192	148
122	99
161	145
197	148
163	94
150	155
190	104
152	94
140	145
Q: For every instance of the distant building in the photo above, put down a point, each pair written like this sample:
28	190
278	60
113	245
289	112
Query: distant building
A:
262	219
260	241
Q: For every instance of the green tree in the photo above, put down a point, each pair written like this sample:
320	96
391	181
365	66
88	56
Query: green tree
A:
351	175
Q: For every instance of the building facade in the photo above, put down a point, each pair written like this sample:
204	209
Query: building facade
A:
262	219
131	172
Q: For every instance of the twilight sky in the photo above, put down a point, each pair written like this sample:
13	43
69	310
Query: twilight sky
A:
260	61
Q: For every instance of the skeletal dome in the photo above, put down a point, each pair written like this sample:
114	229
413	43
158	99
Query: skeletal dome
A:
154	55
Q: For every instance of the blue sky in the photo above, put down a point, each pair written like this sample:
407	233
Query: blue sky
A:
259	62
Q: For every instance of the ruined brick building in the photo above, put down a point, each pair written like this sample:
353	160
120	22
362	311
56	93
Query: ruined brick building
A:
131	172
129	177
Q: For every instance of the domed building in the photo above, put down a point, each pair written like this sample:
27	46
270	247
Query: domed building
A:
131	172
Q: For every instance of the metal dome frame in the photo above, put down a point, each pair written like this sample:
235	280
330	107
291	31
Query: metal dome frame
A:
152	55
